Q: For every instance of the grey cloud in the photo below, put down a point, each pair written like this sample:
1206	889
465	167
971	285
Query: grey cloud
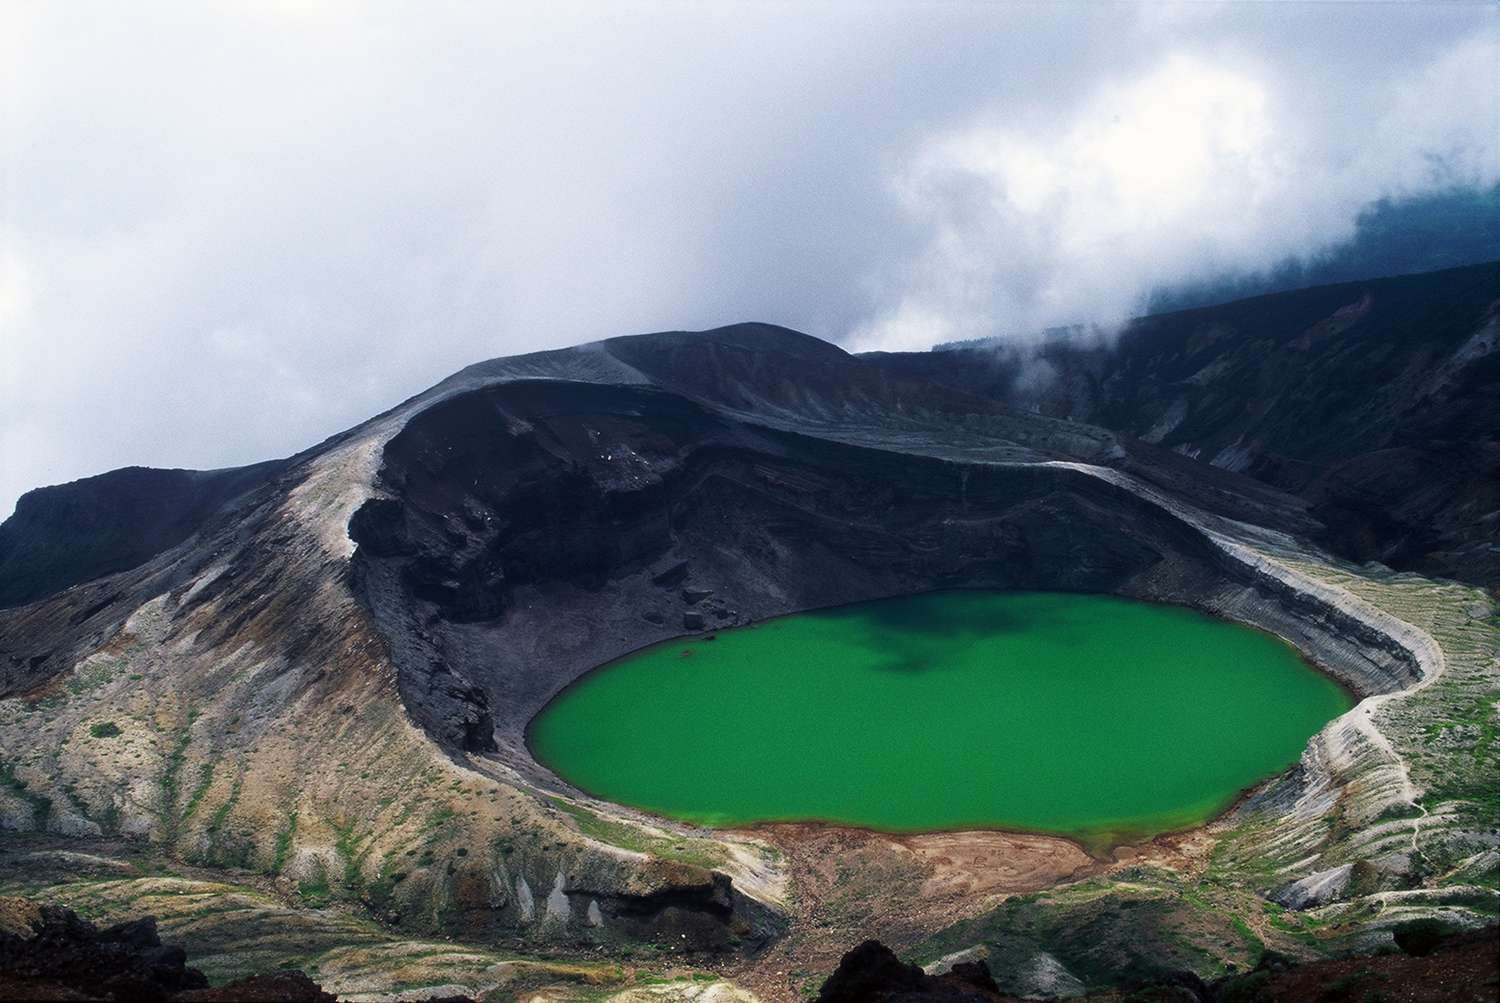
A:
229	230
1207	161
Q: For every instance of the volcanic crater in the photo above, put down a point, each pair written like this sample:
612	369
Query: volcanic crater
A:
318	673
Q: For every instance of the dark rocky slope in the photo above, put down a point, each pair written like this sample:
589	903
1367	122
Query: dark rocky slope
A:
51	953
60	536
1377	402
563	525
871	972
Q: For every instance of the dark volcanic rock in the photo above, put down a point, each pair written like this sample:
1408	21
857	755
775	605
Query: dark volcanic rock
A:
49	953
279	987
1456	966
49	945
871	973
1452	966
1377	401
706	915
60	536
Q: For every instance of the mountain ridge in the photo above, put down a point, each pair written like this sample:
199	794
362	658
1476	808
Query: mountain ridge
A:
1337	492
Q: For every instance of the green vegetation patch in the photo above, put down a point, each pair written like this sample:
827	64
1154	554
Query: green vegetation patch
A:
703	853
314	890
41	804
93	675
171	777
283	845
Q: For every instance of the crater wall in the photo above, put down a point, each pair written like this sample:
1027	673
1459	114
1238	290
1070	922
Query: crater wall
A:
528	532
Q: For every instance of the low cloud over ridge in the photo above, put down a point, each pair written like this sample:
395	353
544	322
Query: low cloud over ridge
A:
1199	168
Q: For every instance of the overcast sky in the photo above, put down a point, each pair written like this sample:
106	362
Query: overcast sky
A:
228	230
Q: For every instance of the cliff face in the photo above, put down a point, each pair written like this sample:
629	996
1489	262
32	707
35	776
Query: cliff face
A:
323	669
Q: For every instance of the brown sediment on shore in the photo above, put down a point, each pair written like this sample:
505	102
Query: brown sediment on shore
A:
853	884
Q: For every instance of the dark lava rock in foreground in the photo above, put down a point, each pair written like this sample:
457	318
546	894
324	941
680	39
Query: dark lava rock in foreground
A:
49	953
873	972
1433	969
52	946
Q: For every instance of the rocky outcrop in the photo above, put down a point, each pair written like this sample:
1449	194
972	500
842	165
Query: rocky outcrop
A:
46	945
48	953
1314	889
871	973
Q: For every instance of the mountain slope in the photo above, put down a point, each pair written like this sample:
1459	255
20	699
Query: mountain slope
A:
1376	402
71	533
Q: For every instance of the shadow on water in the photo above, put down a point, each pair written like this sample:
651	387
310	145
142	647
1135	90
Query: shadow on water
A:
919	633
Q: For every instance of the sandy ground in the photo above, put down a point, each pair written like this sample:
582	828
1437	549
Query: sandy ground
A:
853	884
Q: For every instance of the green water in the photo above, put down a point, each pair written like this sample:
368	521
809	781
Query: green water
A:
1084	715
